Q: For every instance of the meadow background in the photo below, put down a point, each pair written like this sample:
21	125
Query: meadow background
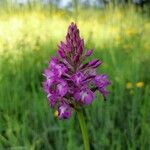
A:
120	36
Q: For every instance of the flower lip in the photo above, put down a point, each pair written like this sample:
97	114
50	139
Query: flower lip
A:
53	62
85	96
101	81
78	78
52	99
62	88
64	111
48	74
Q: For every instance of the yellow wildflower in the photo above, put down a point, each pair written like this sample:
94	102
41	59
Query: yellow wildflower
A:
129	85
56	113
139	84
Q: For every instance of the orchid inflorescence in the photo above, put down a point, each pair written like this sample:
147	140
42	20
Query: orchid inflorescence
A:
70	83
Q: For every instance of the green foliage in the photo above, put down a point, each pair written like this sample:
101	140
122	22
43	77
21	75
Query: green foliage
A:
121	41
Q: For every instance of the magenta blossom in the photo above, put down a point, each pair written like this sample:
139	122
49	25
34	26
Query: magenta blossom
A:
70	83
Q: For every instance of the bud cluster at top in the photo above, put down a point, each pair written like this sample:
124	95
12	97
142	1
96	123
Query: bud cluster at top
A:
70	83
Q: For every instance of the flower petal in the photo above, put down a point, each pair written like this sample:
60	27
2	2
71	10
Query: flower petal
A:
78	78
62	88
64	111
101	81
89	52
85	96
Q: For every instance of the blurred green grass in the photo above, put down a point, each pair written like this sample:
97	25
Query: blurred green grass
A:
121	39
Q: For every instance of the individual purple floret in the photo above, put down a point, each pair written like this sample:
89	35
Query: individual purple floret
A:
64	111
70	83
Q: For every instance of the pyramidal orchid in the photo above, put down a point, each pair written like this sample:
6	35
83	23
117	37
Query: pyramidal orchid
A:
70	81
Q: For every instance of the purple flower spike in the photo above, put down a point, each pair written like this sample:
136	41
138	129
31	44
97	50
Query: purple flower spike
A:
69	82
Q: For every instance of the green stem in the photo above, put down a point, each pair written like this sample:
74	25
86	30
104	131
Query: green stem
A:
84	130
